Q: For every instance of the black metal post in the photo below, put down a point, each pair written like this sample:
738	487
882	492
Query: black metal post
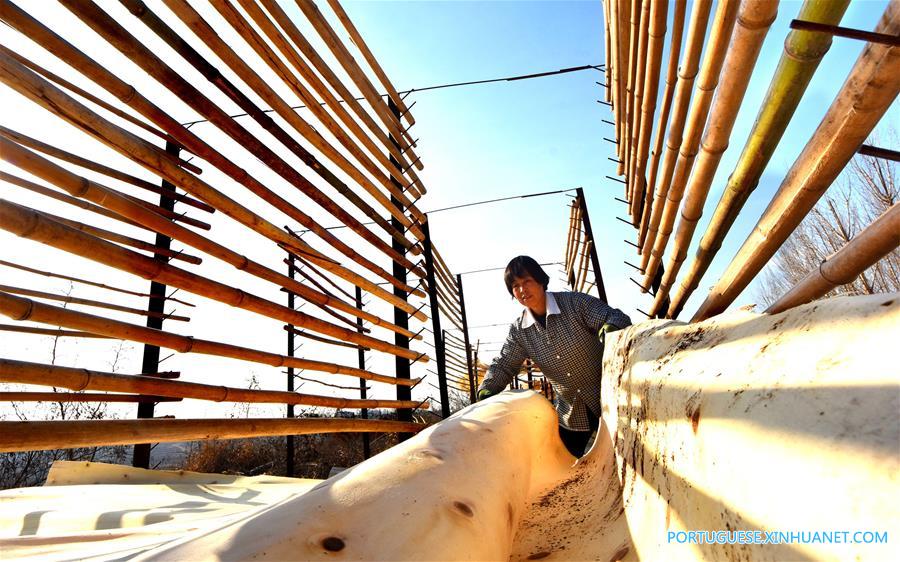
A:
157	301
465	327
528	369
439	350
361	356
400	317
589	235
289	441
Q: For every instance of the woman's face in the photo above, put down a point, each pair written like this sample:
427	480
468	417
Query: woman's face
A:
529	293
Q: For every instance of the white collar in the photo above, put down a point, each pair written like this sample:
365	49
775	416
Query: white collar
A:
552	308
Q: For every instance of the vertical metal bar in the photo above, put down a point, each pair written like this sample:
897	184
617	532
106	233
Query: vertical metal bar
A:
289	441
150	364
528	368
589	236
439	350
361	356
465	327
400	316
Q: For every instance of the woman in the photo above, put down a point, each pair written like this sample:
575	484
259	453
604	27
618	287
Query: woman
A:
560	333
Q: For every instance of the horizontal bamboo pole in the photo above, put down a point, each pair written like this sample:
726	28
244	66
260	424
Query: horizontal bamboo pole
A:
82	187
864	98
66	156
140	10
88	302
753	24
51	98
357	40
28	224
803	51
687	71
85	281
19	308
43	435
875	241
22	372
108	28
213	40
79	397
48	332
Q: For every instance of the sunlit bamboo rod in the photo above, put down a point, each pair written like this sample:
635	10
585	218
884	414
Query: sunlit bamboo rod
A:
87	282
622	43
359	78
57	102
303	273
89	302
233	92
344	94
631	74
840	268
713	59
357	40
606	49
639	78
82	187
444	294
444	271
127	44
687	71
581	272
656	39
28	224
803	50
866	95
42	435
662	121
753	24
107	171
79	397
570	234
212	39
121	238
49	332
321	274
576	243
395	169
58	80
21	309
22	372
452	316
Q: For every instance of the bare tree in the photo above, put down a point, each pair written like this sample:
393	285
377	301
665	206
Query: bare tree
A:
870	189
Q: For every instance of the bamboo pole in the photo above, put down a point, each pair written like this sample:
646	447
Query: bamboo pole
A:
352	68
803	51
639	79
752	26
28	224
22	372
82	187
49	332
52	99
713	59
612	68
657	37
79	397
631	71
88	302
606	48
347	97
34	436
86	282
570	234
100	168
622	77
671	79
212	39
357	40
127	44
582	265
687	71
866	95
395	169
20	309
840	268
140	10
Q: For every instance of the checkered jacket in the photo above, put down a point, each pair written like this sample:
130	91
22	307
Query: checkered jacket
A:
568	351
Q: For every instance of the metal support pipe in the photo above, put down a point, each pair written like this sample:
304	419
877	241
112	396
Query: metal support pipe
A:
465	330
361	356
289	439
156	304
589	234
439	352
847	32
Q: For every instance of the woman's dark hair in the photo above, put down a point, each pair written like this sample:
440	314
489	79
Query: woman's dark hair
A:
519	267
